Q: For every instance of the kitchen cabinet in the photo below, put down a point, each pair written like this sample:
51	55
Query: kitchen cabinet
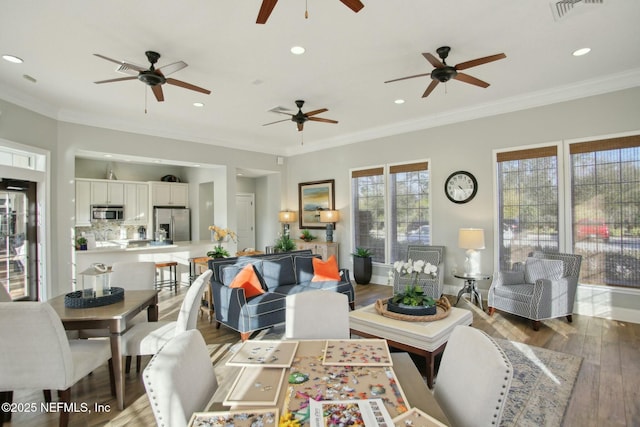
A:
326	249
107	193
136	204
169	194
83	203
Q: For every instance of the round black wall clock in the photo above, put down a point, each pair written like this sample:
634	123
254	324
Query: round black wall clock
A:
461	187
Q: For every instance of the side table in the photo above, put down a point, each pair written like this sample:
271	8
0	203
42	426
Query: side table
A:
470	287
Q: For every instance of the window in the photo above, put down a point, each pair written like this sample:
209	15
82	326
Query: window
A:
605	182
402	191
527	203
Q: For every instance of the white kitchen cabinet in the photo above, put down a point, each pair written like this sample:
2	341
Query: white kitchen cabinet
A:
83	203
136	204
107	193
169	194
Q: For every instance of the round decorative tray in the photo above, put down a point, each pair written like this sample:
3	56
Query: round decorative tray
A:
443	308
78	300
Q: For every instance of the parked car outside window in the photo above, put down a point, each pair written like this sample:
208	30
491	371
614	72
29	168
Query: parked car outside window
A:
592	229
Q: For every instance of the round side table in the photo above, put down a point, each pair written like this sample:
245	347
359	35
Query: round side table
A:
470	286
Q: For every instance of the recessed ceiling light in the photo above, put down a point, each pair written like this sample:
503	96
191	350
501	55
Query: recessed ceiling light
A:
196	166
297	50
157	161
582	51
198	104
13	59
108	155
399	101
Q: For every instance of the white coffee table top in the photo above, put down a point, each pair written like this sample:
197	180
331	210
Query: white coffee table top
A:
423	335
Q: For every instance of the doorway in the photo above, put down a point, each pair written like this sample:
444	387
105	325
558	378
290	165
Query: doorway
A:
18	238
246	222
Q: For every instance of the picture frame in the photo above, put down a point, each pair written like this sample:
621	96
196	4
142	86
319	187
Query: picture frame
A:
312	198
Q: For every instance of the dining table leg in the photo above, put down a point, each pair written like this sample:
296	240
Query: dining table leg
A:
118	371
152	313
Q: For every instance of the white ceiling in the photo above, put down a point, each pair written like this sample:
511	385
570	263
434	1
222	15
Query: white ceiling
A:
249	69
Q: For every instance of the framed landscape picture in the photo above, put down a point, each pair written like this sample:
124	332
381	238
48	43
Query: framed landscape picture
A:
314	197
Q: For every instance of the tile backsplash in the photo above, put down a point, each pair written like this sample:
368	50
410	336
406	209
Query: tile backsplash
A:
109	230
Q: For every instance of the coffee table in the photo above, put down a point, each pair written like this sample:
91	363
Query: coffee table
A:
426	339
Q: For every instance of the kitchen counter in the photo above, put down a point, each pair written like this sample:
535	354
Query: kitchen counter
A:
180	252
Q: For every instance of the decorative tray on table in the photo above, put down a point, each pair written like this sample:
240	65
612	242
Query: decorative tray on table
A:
443	308
87	299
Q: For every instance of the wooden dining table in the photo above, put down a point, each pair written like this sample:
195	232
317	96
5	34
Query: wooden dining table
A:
113	317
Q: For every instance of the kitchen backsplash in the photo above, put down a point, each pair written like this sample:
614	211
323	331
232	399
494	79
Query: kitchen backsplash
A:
110	230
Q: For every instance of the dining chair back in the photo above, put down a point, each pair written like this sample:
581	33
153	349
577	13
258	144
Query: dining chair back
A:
133	276
473	365
146	338
318	314
36	354
180	379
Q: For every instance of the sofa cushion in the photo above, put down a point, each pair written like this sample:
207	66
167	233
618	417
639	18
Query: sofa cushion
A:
304	267
229	272
325	270
537	268
247	279
278	272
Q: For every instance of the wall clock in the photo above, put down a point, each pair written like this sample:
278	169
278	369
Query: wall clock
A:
461	187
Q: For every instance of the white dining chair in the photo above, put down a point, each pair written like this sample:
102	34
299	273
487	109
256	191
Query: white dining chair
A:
36	354
473	379
317	314
146	338
180	379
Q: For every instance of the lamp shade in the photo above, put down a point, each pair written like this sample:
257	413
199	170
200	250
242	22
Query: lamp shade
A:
329	216
471	238
287	216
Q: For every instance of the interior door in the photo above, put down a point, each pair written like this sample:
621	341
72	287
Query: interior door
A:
245	210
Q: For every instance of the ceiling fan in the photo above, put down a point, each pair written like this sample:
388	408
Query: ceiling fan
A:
267	7
442	72
300	118
153	77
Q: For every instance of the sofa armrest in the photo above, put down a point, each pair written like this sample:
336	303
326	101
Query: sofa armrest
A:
226	300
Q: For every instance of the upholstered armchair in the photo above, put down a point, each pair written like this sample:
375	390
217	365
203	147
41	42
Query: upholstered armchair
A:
432	286
543	287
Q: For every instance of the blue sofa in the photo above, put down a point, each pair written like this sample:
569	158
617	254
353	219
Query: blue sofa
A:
281	274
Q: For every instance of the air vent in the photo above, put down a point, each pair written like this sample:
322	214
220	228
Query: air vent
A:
561	9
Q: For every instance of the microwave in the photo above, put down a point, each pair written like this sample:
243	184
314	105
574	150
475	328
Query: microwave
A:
107	212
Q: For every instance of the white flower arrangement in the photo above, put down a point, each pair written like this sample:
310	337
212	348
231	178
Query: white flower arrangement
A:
413	268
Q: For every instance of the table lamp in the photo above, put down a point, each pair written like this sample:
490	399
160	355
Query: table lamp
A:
471	239
330	218
286	218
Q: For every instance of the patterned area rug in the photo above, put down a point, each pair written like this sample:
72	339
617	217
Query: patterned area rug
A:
542	384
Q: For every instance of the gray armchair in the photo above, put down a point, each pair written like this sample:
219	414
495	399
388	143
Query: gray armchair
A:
432	286
544	287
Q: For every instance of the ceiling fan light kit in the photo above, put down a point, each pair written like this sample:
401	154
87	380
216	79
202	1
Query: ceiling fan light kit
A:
442	72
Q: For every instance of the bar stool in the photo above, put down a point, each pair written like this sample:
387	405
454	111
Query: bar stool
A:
173	275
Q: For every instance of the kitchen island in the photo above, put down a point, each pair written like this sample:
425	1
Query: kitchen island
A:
179	252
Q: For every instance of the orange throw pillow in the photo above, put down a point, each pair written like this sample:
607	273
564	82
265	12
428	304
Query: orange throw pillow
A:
325	271
248	280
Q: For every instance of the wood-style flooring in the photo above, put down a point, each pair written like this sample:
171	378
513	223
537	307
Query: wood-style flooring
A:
605	394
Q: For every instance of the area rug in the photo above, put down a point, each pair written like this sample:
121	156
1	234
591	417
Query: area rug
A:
542	383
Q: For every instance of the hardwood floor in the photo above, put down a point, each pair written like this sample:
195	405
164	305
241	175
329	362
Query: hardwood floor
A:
605	394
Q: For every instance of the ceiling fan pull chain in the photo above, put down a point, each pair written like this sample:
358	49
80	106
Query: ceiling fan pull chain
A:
145	100
306	10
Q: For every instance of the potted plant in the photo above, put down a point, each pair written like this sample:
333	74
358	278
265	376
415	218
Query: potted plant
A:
220	235
81	243
284	244
413	301
307	236
362	266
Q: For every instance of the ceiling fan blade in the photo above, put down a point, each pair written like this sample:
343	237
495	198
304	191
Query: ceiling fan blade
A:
124	66
108	59
479	61
265	11
314	112
471	80
354	5
409	77
157	91
300	127
320	119
431	87
278	121
433	60
172	68
188	86
119	79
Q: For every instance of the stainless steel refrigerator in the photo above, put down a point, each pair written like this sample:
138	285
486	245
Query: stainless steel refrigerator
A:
176	222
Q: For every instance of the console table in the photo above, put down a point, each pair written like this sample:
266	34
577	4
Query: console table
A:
326	249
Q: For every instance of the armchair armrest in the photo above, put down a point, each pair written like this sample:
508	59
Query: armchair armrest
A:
552	298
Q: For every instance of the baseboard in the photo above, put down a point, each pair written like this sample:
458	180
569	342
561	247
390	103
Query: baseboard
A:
608	302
